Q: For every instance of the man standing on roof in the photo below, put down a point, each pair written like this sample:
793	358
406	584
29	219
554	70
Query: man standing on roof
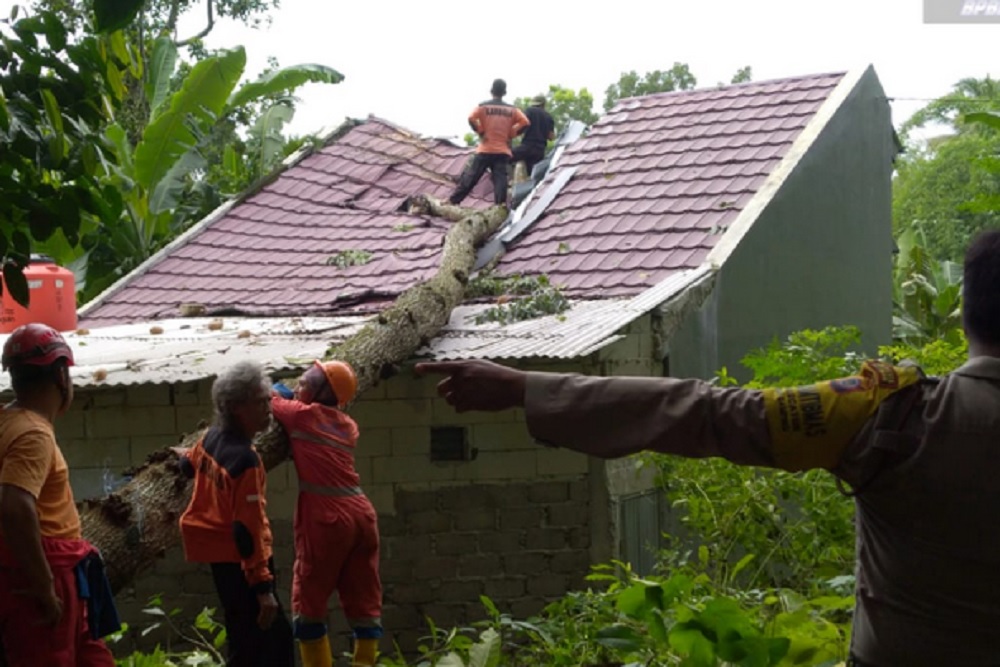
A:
336	527
531	150
55	601
496	123
921	456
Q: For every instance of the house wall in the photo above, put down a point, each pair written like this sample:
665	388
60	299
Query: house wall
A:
820	252
519	523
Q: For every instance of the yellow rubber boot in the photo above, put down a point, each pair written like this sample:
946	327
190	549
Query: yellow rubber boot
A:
316	652
365	651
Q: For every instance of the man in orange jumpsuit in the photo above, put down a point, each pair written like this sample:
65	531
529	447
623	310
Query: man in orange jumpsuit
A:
336	528
496	123
225	523
55	602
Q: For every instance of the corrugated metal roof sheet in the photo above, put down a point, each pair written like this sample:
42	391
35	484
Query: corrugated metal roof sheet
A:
189	349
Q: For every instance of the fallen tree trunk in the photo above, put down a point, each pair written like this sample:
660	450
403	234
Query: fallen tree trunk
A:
136	524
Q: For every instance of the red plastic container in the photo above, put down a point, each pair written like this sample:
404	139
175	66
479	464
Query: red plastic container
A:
53	298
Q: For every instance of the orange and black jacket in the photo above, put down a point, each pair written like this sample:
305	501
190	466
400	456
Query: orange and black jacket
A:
496	123
226	520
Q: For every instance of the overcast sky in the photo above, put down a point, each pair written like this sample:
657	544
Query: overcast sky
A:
424	65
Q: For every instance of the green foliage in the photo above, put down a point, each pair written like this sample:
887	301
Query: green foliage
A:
927	295
205	639
805	357
652	621
518	298
941	191
111	15
743	75
968	96
566	104
346	258
630	84
55	97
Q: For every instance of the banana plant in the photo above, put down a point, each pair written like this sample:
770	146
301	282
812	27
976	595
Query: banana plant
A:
162	181
927	294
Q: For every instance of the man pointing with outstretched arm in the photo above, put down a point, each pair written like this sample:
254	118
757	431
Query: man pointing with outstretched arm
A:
922	456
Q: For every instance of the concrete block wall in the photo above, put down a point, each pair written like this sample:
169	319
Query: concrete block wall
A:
518	522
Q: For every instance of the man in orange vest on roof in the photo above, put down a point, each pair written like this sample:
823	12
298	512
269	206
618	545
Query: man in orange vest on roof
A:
496	123
336	527
55	601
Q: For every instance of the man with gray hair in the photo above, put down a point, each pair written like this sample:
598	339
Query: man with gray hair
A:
226	523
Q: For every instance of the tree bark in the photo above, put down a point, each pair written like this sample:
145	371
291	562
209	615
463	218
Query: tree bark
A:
136	524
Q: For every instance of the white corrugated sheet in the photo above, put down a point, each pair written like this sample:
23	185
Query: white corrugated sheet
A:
187	349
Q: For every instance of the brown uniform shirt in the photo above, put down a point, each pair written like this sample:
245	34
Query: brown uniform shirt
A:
928	550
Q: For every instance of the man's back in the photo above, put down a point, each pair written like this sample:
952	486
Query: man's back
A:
498	123
928	546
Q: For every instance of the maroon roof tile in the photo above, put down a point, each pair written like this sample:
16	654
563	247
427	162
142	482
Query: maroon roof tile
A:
658	180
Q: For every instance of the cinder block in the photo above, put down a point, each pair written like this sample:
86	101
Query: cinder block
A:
527	607
574	563
503	436
503	466
460	591
111	453
549	492
431	568
71	425
579	490
527	562
281	504
400	616
443	414
411	440
501	542
364	469
189	416
504	590
414	592
185	393
133	421
409	386
466	496
147	394
528	517
479	565
546	539
447	544
415	468
277	479
569	514
416	501
105	398
476	518
383	498
390	413
374	442
547	585
395	570
560	463
431	521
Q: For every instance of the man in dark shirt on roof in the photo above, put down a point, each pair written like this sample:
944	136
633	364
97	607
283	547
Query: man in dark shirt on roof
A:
496	123
537	136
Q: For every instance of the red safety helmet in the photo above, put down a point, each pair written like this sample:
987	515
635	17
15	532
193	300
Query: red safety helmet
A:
35	345
341	378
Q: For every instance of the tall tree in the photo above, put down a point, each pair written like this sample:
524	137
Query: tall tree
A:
630	84
948	187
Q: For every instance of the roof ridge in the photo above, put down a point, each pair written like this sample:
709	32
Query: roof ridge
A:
728	86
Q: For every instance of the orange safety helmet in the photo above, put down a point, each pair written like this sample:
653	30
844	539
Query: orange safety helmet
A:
35	344
342	379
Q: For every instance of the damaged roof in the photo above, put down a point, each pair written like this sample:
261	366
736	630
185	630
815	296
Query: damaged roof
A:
656	183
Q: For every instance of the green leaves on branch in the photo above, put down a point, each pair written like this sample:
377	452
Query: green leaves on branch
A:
111	15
